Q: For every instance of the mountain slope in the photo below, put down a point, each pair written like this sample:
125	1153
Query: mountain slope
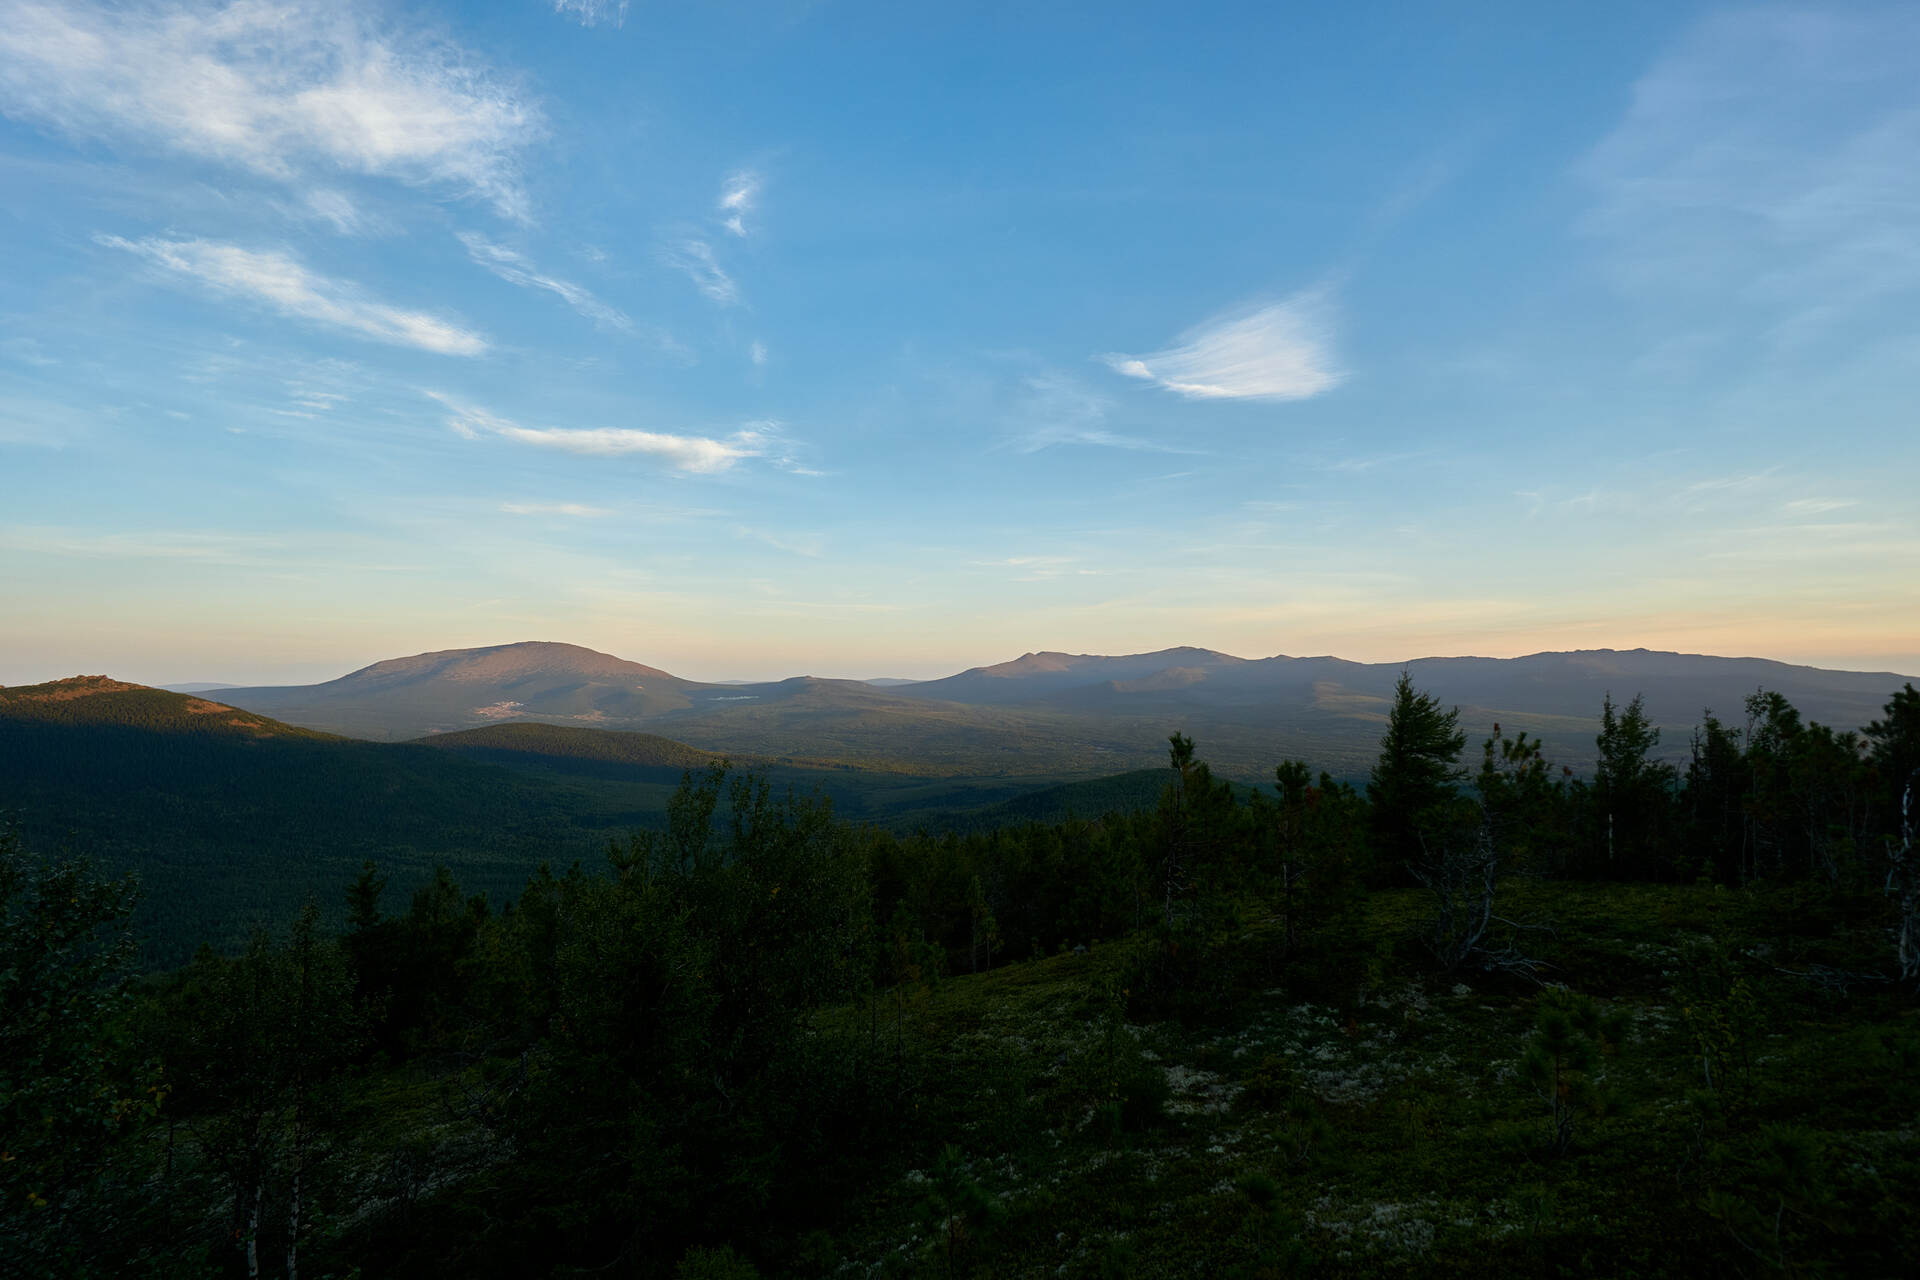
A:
101	701
560	742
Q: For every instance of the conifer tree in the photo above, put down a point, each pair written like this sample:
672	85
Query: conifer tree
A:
1416	773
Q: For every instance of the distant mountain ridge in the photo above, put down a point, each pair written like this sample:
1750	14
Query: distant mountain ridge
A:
1049	712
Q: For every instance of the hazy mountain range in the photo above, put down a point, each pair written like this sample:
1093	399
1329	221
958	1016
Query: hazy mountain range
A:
1053	713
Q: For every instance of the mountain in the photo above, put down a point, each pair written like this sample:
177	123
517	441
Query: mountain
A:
463	688
1035	675
1064	714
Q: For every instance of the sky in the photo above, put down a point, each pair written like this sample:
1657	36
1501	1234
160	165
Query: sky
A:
754	340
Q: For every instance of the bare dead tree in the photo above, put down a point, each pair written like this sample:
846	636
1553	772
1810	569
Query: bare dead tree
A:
1903	884
1461	869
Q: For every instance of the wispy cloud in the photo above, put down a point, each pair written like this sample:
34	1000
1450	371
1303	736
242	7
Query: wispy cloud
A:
336	209
757	352
1041	568
811	545
591	13
738	196
29	351
702	455
1282	351
695	257
1800	508
574	509
768	438
280	90
515	269
279	281
1054	409
1766	168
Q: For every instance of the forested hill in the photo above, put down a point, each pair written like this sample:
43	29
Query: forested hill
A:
103	701
232	819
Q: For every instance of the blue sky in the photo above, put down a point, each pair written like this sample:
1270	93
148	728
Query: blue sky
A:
751	340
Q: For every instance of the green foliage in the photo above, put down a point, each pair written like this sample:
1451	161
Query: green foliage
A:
1523	802
1633	794
958	1213
714	1264
67	1092
1770	1195
255	1048
1318	876
1721	1011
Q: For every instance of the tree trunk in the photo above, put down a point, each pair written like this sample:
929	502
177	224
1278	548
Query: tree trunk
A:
253	1228
293	1217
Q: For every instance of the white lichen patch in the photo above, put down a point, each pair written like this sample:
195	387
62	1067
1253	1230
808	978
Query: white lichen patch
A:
1198	1092
1385	1226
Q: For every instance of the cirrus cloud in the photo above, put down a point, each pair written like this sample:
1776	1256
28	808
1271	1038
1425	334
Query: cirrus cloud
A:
275	89
1281	351
279	281
514	268
700	455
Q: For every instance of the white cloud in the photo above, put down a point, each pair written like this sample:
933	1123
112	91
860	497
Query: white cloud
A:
1282	351
281	282
695	257
1765	169
515	269
575	509
276	89
757	352
684	453
737	199
591	13
702	455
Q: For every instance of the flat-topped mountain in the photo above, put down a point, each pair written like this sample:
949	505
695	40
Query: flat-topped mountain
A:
1064	713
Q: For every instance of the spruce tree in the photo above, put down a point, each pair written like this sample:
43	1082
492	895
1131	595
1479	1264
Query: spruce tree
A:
1413	781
